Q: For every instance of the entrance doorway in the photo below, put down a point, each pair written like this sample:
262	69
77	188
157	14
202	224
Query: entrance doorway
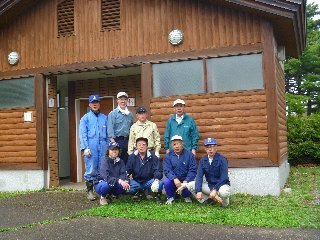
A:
106	106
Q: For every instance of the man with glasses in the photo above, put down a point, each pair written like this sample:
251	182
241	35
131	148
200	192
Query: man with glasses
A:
119	122
145	170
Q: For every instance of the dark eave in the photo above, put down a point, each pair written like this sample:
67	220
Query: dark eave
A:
287	17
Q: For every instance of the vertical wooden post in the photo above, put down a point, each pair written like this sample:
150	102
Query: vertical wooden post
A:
269	76
146	85
41	118
72	132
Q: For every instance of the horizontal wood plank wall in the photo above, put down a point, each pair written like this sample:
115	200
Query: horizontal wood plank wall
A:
53	134
281	108
110	87
237	119
145	25
17	138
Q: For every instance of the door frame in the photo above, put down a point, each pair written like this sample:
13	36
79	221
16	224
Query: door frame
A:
77	158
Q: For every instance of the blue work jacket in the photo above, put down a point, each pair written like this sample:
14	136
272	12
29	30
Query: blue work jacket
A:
143	170
216	174
119	124
182	167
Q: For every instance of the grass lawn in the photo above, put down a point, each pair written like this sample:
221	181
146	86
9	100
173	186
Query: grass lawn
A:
295	209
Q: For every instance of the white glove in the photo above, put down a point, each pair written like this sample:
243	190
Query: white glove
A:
157	154
155	186
183	186
87	152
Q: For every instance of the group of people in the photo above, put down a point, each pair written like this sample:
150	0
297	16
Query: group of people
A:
122	157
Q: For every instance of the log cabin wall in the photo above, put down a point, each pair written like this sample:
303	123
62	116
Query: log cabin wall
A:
18	138
281	109
237	119
53	134
144	25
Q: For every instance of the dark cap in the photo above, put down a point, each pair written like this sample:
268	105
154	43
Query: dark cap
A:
113	145
141	110
93	98
142	139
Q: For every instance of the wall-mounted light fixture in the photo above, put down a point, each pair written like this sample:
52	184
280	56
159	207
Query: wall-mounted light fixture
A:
176	37
13	58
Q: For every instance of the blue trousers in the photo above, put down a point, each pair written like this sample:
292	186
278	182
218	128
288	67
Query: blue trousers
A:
136	186
171	188
103	188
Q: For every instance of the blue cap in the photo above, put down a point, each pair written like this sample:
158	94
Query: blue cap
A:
141	110
113	145
93	98
210	141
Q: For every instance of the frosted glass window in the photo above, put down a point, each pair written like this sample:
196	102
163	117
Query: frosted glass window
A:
178	78
17	93
235	73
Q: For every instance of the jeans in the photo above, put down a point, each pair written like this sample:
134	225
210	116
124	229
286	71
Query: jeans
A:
136	186
171	188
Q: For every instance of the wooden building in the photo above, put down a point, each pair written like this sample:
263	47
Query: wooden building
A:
224	58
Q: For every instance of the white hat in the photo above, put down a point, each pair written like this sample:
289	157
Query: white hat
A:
176	137
122	94
178	101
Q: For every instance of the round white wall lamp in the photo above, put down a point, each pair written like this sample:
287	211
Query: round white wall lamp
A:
176	37
13	58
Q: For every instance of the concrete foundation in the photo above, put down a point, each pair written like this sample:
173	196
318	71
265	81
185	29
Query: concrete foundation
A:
259	181
22	180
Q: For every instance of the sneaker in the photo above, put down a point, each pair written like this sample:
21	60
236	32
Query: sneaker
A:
158	199
209	201
138	196
187	200
103	201
225	202
91	196
170	201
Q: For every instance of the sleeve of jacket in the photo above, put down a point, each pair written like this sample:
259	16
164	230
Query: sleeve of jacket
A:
110	123
107	137
132	137
156	137
166	136
199	178
104	173
195	135
157	170
167	167
192	171
83	132
224	174
123	172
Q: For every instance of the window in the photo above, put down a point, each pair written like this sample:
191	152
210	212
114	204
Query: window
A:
110	15
235	73
65	18
178	78
17	93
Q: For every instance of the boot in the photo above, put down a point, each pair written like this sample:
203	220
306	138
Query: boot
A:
90	195
158	198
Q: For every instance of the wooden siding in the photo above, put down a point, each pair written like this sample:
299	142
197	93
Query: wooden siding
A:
237	119
281	109
145	25
53	134
110	87
18	138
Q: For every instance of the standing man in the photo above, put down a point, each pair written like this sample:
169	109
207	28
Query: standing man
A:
146	171
179	167
182	125
214	167
146	129
119	123
93	141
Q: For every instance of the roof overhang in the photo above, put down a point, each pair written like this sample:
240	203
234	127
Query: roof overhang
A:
288	17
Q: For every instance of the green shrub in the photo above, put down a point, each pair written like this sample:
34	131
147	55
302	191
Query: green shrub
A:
304	139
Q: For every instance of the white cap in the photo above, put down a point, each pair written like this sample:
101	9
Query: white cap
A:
178	101
176	137
122	94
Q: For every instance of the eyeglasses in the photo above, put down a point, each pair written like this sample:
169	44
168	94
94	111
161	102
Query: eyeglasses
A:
141	144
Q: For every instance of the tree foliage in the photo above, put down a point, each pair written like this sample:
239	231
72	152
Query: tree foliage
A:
303	74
